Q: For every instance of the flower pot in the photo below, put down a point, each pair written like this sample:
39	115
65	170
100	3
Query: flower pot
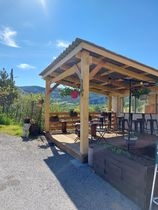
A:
74	94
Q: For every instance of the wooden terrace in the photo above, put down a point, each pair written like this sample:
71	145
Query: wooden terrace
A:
92	68
66	142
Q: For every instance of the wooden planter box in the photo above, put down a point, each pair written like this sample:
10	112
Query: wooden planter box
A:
131	177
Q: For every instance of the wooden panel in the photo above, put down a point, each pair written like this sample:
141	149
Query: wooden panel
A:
56	126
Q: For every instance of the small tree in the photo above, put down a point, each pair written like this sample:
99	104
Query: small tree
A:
8	91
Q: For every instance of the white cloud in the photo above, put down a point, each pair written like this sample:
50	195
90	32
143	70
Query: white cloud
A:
62	44
7	37
43	4
25	66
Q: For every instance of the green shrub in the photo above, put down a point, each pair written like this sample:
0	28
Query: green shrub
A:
5	120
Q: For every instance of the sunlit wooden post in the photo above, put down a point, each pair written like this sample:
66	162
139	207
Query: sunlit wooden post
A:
109	103
114	105
119	104
47	105
84	102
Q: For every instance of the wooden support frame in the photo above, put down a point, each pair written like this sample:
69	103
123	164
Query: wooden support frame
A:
47	104
90	66
109	103
66	73
84	103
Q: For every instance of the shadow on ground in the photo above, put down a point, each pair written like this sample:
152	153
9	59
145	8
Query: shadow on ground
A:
85	189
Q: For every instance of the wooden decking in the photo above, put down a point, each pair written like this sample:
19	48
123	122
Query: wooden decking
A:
66	142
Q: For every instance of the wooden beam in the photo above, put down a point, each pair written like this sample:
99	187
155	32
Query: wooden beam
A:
96	69
47	105
104	92
78	71
126	61
122	70
94	90
84	106
53	67
107	81
66	73
112	90
53	88
107	73
67	83
109	103
126	72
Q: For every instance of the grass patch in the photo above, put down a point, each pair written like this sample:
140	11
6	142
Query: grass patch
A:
14	130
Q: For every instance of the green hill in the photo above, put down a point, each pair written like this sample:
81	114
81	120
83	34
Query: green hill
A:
93	97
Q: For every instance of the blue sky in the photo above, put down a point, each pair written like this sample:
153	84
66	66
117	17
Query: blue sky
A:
34	32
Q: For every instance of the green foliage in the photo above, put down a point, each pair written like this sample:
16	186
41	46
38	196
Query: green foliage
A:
139	92
31	105
62	106
14	130
5	120
8	91
66	107
66	91
117	150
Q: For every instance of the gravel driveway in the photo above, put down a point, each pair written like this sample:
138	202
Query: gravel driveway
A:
37	176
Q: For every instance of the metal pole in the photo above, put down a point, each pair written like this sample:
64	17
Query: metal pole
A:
129	112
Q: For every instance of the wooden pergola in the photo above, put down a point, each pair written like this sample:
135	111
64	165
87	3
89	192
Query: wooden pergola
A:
93	68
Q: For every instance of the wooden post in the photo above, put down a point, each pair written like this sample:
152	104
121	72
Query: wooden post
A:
47	105
119	105
114	104
84	103
109	103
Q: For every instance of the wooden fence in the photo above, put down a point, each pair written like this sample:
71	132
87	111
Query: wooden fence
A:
57	119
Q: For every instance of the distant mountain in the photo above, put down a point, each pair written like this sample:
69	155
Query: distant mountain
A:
32	89
93	97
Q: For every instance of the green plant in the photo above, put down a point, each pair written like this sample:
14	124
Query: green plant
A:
5	120
14	130
66	91
139	92
117	150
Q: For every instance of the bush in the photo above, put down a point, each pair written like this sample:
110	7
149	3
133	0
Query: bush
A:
5	120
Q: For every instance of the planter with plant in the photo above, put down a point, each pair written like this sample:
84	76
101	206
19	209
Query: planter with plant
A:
130	173
72	113
137	93
67	91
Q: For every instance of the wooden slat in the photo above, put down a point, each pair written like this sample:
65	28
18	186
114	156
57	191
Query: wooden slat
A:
121	59
126	72
96	69
66	73
51	68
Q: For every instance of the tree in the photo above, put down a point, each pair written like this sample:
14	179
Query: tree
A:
8	90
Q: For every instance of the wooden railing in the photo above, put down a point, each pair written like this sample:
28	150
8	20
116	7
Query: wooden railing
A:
56	119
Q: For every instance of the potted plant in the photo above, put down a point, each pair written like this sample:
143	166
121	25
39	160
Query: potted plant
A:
74	94
139	92
72	113
67	91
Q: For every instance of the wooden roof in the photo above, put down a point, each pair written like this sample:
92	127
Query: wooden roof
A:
109	72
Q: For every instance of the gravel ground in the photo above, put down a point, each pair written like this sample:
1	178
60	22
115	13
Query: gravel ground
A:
37	176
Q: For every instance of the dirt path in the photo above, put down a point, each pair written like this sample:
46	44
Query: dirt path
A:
35	176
